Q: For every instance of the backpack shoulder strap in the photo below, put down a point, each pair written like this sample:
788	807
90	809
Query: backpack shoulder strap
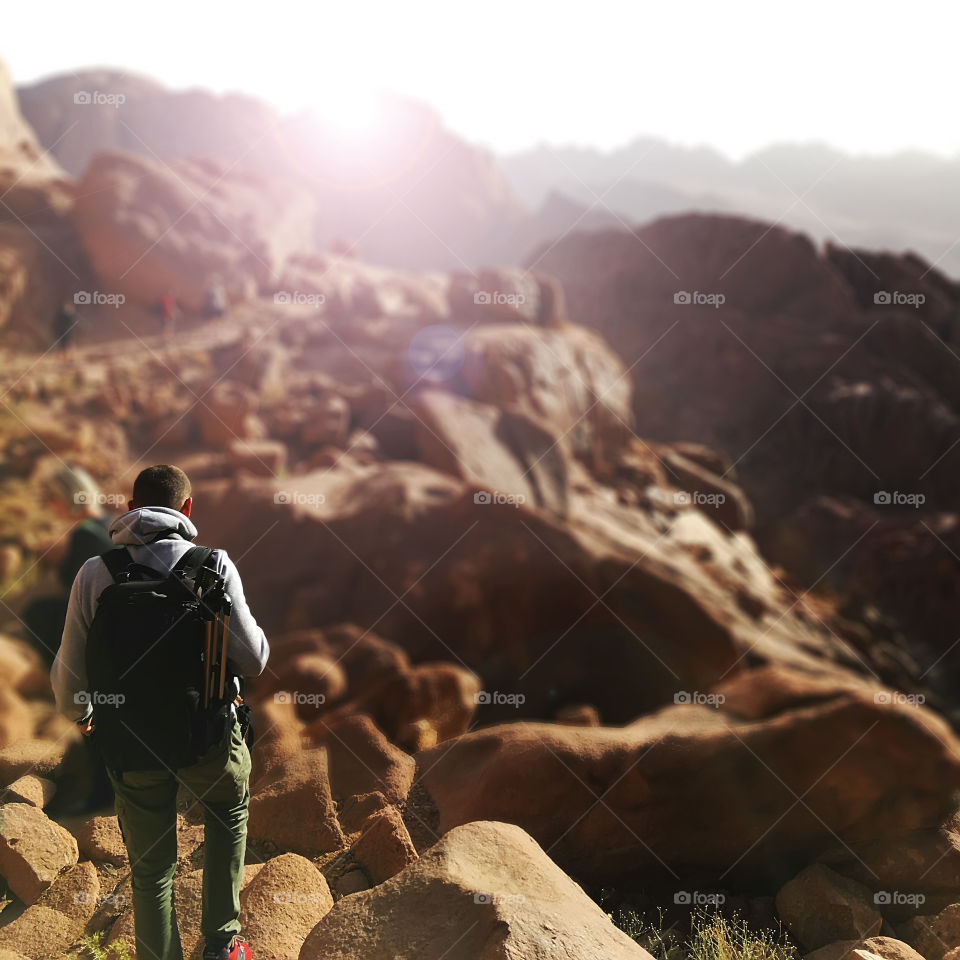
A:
191	562
117	560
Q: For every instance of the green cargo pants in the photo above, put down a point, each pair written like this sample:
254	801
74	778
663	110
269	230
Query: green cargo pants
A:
146	804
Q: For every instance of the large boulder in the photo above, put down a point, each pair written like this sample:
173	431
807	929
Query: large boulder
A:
282	904
152	229
661	600
825	766
290	802
34	850
485	890
819	907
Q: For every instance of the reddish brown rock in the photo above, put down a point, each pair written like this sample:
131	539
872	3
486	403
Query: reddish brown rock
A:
384	847
485	889
865	770
34	851
819	907
150	228
282	904
362	760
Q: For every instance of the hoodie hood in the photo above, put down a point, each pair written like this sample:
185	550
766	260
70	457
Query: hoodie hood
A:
146	524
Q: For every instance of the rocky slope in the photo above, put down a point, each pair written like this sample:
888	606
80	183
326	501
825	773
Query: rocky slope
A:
524	645
827	377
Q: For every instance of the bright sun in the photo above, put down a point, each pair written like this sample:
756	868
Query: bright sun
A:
351	113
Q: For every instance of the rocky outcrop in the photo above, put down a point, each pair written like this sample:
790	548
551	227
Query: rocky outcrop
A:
801	366
152	229
485	890
818	766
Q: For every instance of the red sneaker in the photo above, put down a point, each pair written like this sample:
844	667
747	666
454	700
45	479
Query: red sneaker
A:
237	949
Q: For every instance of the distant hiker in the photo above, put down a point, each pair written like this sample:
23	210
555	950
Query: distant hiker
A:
216	300
70	493
65	326
169	313
145	647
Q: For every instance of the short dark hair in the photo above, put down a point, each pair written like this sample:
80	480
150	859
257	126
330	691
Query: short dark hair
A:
162	485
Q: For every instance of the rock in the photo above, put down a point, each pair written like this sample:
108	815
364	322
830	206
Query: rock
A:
311	681
16	717
888	773
721	500
697	598
329	424
40	757
227	416
75	892
358	808
362	760
21	668
261	458
282	904
478	443
579	716
34	850
290	801
30	789
353	881
40	933
936	935
384	847
99	839
567	381
485	889
885	947
819	906
151	228
919	873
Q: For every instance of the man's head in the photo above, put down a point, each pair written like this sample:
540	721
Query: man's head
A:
71	492
162	485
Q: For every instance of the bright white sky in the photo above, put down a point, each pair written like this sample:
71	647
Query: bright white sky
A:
736	75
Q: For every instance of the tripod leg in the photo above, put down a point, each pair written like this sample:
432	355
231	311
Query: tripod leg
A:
207	666
223	650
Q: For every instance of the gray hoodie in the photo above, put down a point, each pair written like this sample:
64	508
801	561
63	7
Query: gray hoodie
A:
247	647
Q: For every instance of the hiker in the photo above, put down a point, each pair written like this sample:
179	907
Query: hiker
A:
130	629
73	495
169	313
216	299
65	326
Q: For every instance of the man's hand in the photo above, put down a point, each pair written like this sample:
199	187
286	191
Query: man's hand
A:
88	727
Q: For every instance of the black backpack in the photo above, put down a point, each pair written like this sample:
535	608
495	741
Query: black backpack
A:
145	666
